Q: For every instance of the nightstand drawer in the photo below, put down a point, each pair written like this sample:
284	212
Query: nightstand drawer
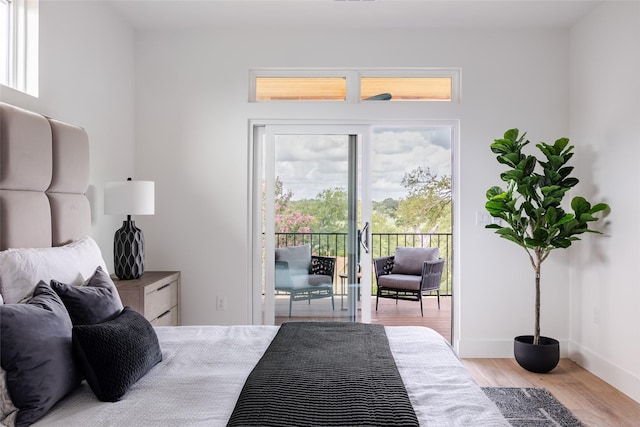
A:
168	318
160	298
156	295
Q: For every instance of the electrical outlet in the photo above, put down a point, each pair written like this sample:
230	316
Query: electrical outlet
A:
221	303
482	218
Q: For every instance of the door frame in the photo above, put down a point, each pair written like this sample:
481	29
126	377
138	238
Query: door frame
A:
254	244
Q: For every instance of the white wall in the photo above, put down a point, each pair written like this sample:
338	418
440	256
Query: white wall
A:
87	78
192	139
605	124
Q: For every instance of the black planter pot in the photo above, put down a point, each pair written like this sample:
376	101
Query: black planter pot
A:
539	358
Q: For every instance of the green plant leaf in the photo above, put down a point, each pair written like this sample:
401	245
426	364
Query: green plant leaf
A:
540	234
560	144
561	243
546	149
585	217
495	192
566	218
599	207
509	234
512	134
551	215
528	165
512	175
567	156
570	182
565	171
580	205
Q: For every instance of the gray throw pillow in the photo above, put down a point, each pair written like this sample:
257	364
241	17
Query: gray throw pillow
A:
114	355
298	257
411	260
94	302
37	354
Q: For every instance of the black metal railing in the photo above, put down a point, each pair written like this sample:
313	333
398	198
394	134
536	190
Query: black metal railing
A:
382	244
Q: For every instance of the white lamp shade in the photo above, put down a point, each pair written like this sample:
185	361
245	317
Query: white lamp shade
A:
129	198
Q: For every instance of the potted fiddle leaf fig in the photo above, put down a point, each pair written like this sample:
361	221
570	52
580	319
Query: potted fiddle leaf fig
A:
532	216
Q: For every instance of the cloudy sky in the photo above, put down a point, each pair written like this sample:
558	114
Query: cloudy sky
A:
308	164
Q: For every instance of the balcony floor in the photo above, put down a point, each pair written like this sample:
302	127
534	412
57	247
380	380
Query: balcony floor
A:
405	313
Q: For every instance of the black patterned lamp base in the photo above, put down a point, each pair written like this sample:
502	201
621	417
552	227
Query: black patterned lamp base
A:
128	251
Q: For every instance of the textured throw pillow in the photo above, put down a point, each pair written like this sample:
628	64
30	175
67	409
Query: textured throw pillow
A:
114	355
36	353
95	302
411	260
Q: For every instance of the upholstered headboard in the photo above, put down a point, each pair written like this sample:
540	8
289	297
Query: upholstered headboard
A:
44	176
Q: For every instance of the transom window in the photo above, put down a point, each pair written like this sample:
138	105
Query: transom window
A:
355	85
301	88
405	88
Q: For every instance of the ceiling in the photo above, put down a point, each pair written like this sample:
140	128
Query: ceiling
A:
355	14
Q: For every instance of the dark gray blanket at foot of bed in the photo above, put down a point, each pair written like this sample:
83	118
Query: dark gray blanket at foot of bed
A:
325	374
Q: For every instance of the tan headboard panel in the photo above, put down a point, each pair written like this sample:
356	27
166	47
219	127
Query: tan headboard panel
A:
44	176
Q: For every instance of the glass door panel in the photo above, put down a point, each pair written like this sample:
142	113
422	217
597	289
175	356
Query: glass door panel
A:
411	205
311	199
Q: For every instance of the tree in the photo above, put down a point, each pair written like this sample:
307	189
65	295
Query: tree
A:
428	202
530	206
330	210
388	207
288	220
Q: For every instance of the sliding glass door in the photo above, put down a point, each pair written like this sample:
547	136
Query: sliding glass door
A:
316	213
329	198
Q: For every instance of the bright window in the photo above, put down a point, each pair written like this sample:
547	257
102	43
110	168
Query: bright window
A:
405	88
301	88
19	45
355	86
5	36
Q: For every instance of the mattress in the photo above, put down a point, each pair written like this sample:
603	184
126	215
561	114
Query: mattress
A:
204	369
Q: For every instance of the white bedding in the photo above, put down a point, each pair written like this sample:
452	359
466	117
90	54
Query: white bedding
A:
204	368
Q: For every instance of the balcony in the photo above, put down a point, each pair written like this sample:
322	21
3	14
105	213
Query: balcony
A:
382	244
405	313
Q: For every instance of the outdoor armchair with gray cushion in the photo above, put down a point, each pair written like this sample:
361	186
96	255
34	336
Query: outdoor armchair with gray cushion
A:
408	274
303	276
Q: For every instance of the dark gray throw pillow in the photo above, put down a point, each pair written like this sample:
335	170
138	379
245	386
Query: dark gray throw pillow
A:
115	354
36	353
409	260
95	302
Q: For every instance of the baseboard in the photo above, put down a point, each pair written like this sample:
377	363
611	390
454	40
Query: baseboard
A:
493	349
618	377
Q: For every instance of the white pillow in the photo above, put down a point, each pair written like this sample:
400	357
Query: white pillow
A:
22	269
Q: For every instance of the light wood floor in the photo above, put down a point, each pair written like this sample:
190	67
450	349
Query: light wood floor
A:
591	400
405	313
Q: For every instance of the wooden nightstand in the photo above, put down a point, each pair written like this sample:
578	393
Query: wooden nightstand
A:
156	295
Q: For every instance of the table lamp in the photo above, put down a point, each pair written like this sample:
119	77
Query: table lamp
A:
129	198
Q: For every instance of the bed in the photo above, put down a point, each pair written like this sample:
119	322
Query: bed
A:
201	371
